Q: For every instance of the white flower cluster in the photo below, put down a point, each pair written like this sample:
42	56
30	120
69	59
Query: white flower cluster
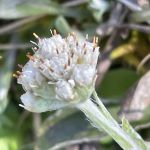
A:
61	72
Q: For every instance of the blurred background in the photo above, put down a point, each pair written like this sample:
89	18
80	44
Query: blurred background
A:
123	83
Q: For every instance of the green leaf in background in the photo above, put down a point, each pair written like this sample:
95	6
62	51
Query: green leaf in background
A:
5	79
116	82
66	125
65	28
21	8
8	143
10	137
98	8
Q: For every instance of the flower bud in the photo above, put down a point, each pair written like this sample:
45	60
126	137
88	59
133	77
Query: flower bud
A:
61	73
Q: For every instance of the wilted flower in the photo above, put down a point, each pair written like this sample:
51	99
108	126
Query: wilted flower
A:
60	73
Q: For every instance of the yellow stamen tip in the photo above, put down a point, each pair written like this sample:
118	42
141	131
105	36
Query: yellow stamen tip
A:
35	35
55	33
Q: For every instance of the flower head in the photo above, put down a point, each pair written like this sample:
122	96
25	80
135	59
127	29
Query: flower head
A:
60	73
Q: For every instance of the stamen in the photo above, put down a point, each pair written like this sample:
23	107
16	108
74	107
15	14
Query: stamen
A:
51	82
20	66
21	105
50	69
65	67
41	60
16	76
94	40
85	51
84	45
19	73
93	48
86	37
28	53
57	51
40	68
79	60
36	36
34	49
69	61
30	57
51	32
34	43
72	54
55	33
74	36
77	43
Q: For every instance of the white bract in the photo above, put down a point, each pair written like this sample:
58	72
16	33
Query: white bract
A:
60	73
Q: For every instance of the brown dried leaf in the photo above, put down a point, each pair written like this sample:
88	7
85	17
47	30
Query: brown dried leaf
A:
137	99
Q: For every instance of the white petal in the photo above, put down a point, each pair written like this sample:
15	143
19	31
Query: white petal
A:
30	77
37	104
84	74
64	90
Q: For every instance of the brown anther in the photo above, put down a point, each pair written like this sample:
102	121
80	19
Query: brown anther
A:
69	61
19	73
50	69
77	43
41	60
65	67
94	40
30	57
16	76
36	36
84	45
72	54
40	68
57	51
85	51
20	66
55	33
93	48
61	73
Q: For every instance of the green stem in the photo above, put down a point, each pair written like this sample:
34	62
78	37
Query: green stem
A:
102	119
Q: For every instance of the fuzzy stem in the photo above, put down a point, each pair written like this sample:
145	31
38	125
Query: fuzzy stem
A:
101	118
